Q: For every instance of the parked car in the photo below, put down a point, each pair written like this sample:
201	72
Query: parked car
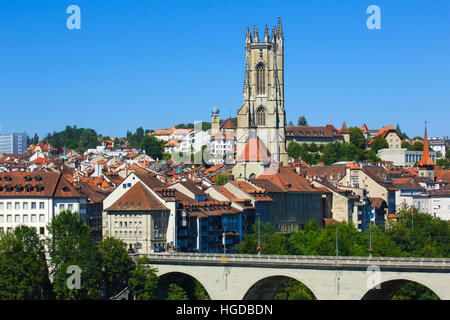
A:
159	249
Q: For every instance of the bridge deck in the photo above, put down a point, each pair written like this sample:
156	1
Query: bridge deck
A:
292	261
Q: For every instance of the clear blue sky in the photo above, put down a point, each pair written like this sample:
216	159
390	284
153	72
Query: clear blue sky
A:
158	63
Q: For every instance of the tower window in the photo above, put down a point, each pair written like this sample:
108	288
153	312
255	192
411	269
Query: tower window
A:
261	116
260	79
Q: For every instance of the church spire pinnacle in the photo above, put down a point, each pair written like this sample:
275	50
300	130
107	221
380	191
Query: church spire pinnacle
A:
266	35
255	34
280	28
248	36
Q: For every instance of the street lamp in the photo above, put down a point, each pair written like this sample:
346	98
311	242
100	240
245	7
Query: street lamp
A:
370	231
337	248
259	235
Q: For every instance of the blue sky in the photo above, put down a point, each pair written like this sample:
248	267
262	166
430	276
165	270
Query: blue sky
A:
159	63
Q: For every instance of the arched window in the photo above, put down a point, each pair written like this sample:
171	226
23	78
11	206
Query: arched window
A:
260	79
261	116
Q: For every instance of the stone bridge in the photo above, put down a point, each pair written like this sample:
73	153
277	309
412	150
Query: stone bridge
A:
239	276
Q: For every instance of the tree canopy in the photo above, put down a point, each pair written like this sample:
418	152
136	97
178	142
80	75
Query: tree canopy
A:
23	268
70	244
302	121
78	139
153	147
379	143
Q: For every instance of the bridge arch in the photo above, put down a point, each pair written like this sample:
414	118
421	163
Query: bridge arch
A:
386	289
266	288
185	280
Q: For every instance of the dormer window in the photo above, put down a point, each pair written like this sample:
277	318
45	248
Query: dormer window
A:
28	178
8	179
38	178
39	188
65	189
28	188
18	188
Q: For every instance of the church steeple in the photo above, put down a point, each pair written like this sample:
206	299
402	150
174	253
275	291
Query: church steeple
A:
426	159
426	164
262	113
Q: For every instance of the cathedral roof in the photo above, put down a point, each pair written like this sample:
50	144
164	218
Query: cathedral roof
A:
254	151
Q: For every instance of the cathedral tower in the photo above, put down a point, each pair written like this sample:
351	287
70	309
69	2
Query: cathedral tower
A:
262	113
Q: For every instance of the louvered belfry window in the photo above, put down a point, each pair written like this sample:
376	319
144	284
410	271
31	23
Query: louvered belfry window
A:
260	79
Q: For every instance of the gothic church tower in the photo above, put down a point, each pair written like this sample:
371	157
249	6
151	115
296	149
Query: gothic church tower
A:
262	112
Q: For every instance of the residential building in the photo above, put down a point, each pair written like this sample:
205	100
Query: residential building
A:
295	200
391	135
317	135
375	180
34	198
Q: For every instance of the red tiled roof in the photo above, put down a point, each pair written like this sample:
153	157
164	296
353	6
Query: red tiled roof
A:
289	180
137	198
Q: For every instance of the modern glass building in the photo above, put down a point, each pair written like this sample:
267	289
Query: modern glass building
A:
13	143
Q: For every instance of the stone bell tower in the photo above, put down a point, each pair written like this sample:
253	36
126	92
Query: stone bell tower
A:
262	112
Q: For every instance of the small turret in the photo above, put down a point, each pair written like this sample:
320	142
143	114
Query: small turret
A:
274	34
248	36
266	35
255	35
280	29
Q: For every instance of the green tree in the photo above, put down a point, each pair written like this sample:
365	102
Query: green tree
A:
302	121
152	146
71	244
443	163
116	264
372	156
143	281
414	291
293	150
294	290
200	292
23	268
221	179
416	146
357	137
75	138
176	293
379	143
